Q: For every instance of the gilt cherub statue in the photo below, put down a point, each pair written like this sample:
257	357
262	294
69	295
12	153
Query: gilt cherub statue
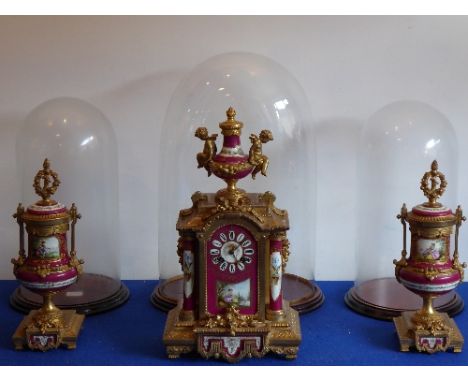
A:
256	157
209	149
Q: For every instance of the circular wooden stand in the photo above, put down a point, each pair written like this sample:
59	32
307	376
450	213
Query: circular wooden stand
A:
91	294
385	299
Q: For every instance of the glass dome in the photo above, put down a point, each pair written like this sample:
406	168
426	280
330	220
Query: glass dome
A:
80	144
265	96
397	145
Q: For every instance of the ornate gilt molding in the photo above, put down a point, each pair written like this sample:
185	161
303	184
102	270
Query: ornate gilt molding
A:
46	183
433	184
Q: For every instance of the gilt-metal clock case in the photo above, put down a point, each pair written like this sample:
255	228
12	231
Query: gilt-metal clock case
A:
233	250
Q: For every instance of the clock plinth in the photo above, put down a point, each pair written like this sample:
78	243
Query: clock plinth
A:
282	338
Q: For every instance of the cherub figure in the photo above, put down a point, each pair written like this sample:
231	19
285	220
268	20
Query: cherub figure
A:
256	157
209	149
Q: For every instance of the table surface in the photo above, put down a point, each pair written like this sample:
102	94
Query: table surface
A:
132	335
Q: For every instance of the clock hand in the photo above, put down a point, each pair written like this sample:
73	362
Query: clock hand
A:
232	248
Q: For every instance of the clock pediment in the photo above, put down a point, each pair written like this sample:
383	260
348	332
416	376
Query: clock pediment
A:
259	209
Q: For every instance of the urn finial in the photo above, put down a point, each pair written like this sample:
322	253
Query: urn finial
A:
231	126
46	183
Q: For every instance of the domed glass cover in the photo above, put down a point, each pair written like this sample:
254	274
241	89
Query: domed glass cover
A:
265	96
80	144
397	145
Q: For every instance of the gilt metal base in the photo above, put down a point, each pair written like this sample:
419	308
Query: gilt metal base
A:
425	340
282	338
26	335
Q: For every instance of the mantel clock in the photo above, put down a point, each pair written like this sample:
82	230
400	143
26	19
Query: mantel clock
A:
233	250
430	270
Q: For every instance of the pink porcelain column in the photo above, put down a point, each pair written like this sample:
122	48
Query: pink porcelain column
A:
276	275
187	247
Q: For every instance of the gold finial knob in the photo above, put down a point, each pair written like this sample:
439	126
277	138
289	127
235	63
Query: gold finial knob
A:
433	185
231	126
231	113
46	183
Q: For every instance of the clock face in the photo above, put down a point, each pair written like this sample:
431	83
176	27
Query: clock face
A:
232	250
232	260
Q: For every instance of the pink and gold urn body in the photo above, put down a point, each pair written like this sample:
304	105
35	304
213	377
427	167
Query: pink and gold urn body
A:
430	270
47	267
231	164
